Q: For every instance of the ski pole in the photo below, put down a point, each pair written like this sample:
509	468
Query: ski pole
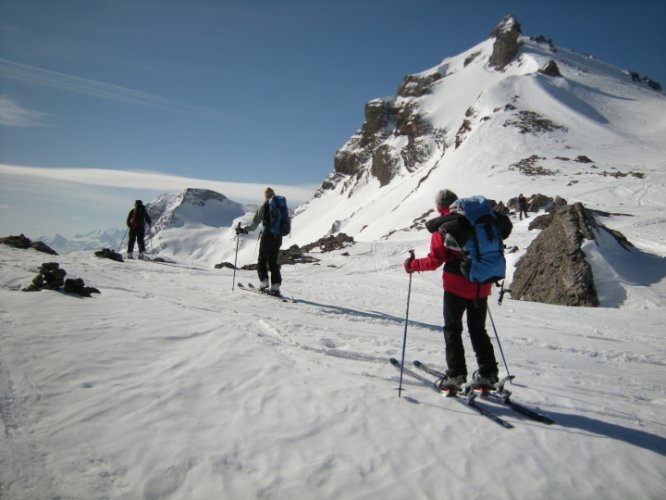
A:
233	283
499	344
404	336
120	247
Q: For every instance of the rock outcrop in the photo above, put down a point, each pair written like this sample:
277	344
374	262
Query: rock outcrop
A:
52	277
506	45
554	269
23	242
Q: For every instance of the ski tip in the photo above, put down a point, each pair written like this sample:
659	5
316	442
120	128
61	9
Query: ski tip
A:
394	362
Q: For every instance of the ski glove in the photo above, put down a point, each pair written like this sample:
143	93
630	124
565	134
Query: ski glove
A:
408	263
241	230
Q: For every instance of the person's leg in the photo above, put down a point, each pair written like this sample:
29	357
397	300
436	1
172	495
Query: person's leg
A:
454	308
262	263
273	261
130	242
140	238
483	348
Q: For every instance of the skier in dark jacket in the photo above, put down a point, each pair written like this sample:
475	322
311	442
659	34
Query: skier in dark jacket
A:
136	222
460	296
522	207
269	246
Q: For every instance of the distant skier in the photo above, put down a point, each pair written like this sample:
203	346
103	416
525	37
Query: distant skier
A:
269	246
522	204
460	295
136	222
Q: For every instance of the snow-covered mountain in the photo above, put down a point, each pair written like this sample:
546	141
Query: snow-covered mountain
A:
201	214
94	240
192	207
512	114
194	225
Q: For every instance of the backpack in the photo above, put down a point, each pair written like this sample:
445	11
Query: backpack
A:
475	230
484	250
137	215
279	216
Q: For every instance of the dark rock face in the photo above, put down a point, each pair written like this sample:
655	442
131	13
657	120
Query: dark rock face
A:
367	152
384	164
505	48
417	86
330	243
107	253
551	69
24	243
536	202
51	277
76	286
554	269
297	255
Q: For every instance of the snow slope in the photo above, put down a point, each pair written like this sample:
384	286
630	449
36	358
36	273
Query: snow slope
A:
170	385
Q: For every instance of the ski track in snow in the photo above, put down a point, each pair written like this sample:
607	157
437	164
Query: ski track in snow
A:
169	385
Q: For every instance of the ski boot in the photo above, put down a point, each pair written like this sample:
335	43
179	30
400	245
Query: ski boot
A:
483	383
450	385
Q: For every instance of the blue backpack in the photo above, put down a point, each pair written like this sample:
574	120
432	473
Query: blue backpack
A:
483	249
279	216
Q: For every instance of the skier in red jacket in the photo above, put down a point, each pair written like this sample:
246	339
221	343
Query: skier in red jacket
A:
460	295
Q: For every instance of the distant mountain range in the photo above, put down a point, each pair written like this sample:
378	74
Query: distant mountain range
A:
190	208
94	240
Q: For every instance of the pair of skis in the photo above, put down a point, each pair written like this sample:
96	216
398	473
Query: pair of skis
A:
251	288
468	394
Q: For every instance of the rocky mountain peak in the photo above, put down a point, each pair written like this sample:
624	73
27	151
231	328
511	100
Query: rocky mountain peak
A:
196	196
397	134
193	206
509	24
505	48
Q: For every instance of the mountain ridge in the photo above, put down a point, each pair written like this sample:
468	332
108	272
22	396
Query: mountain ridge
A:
469	122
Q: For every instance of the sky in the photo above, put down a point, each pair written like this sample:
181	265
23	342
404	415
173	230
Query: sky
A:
248	92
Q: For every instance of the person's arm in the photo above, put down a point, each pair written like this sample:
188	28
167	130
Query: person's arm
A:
435	258
256	220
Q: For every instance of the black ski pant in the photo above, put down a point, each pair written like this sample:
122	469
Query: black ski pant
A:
138	237
269	247
454	307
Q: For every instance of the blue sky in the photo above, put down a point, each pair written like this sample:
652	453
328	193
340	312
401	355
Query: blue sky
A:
252	91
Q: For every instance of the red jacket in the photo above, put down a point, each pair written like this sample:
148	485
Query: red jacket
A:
453	281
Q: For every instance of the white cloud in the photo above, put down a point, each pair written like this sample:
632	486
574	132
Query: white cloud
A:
44	201
15	115
94	88
157	182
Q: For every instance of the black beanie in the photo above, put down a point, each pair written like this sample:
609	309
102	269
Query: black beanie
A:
444	198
